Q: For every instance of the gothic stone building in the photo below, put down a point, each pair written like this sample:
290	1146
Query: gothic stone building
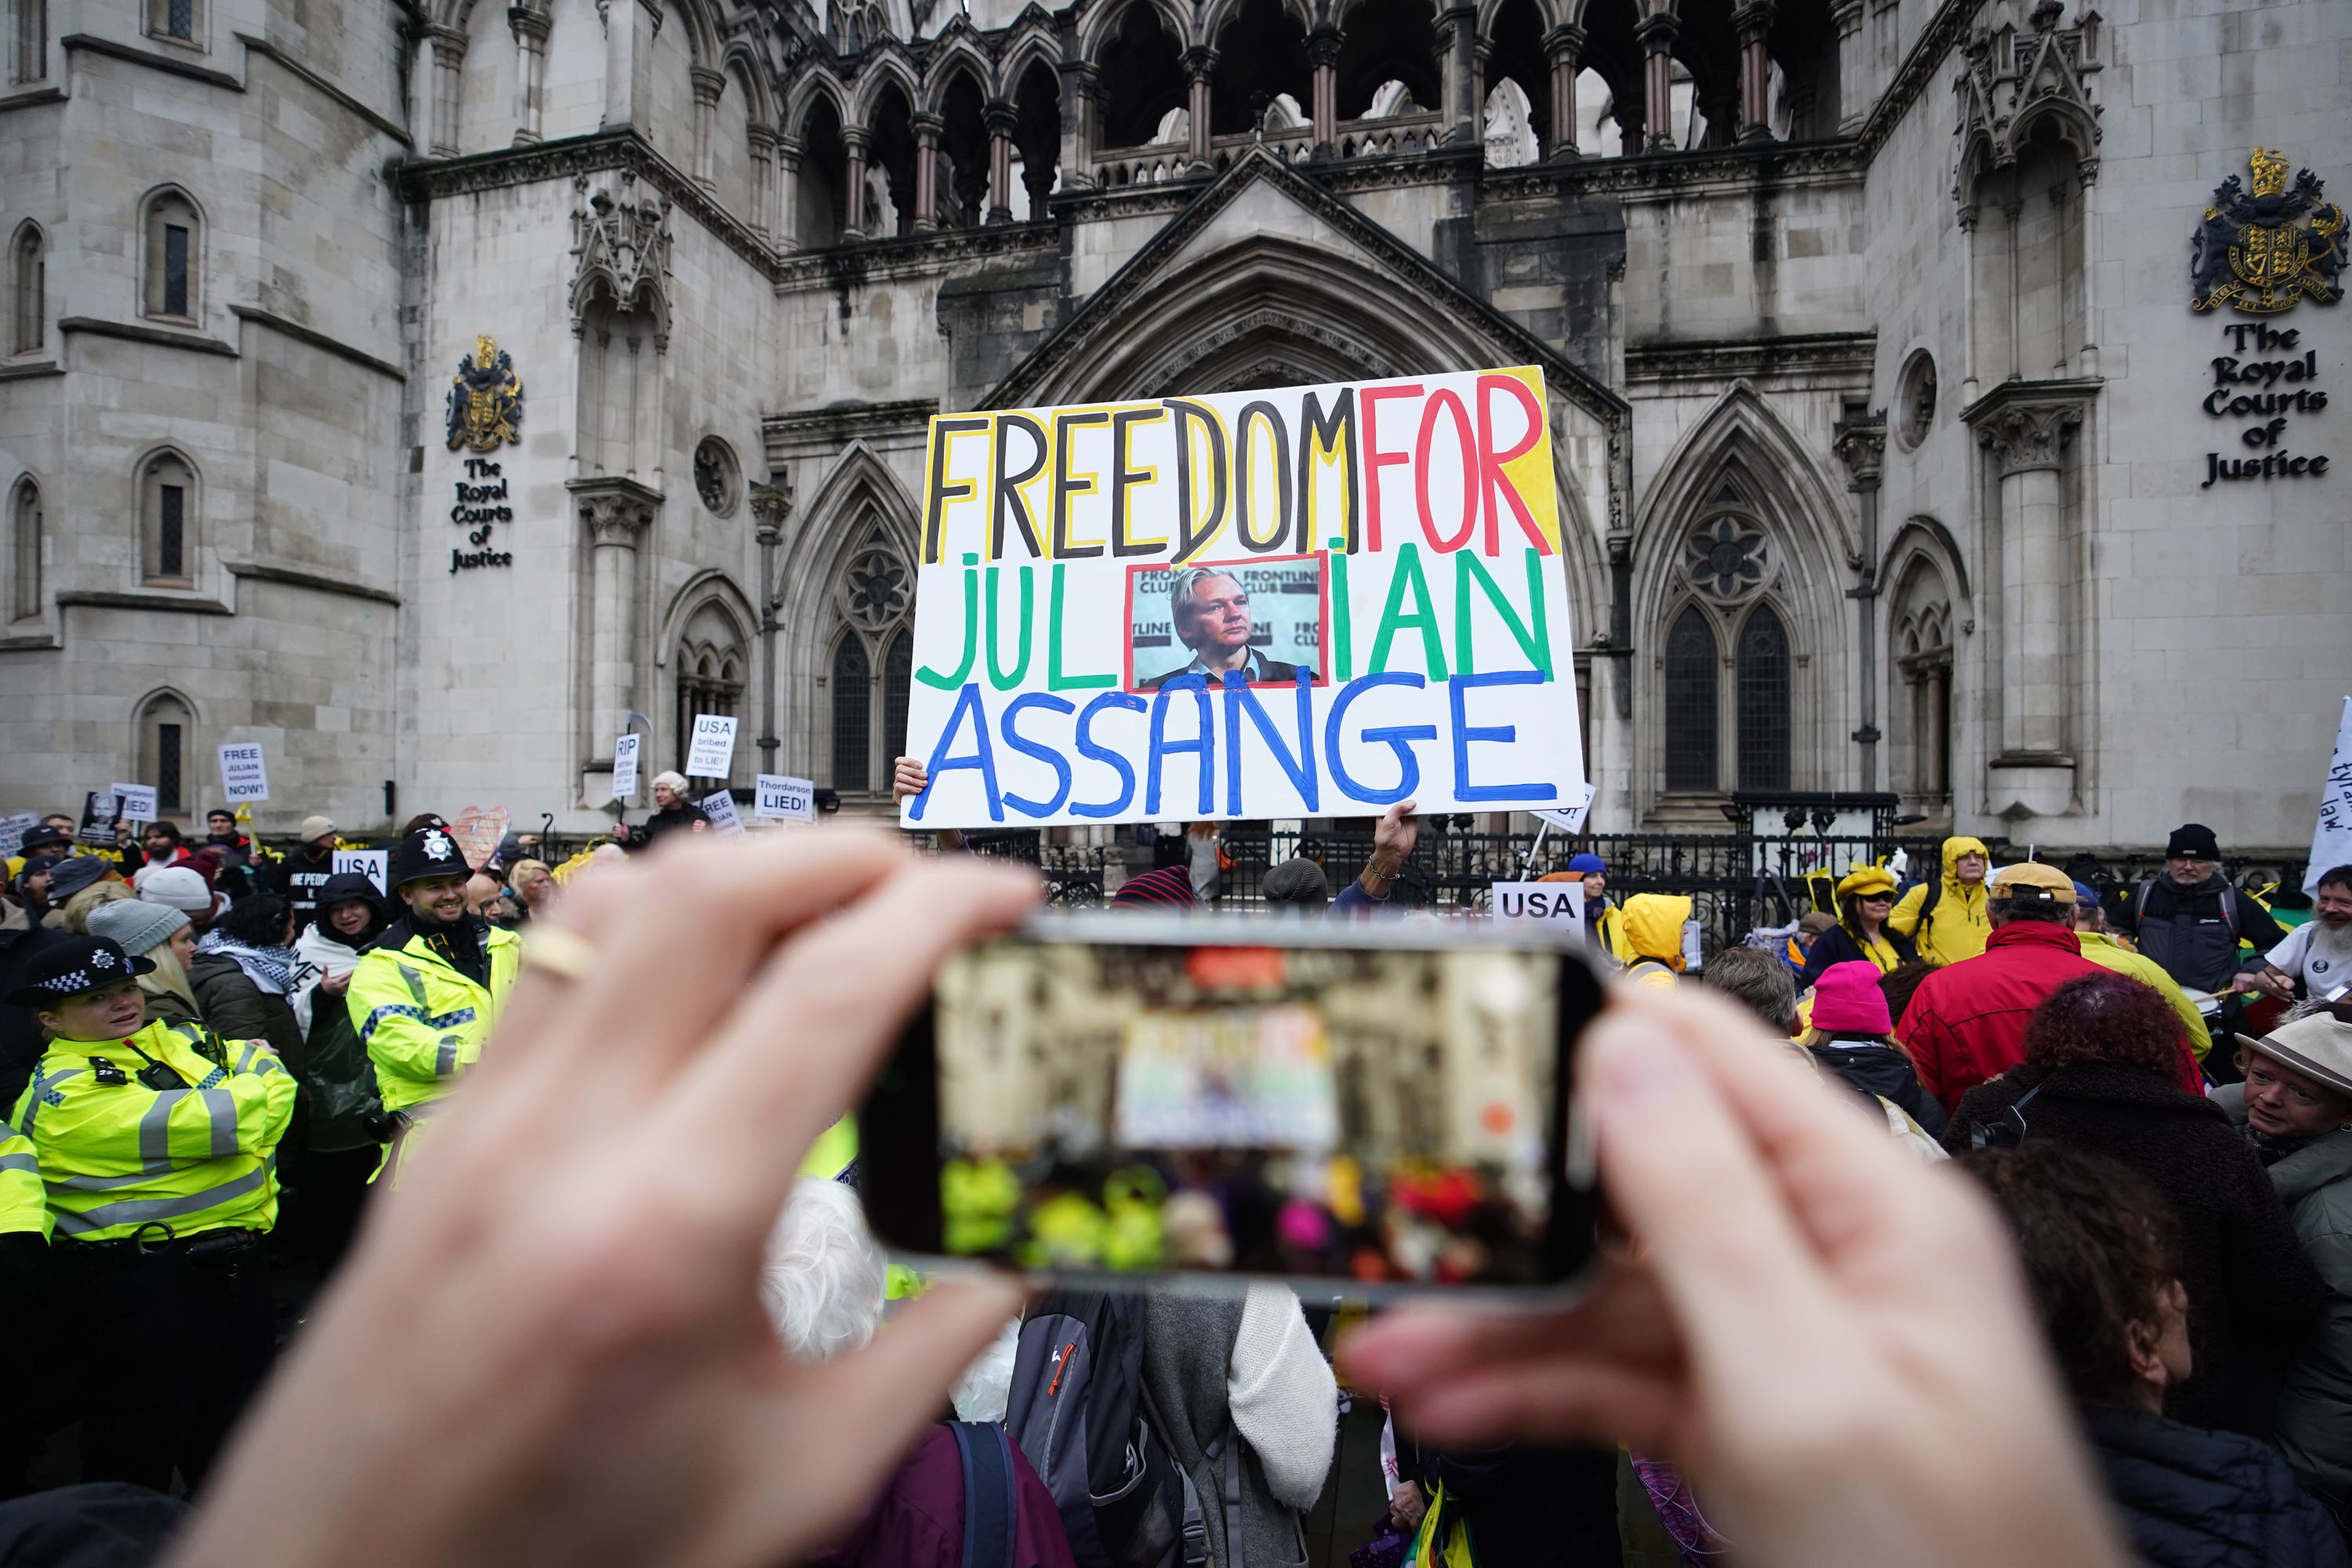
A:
1882	412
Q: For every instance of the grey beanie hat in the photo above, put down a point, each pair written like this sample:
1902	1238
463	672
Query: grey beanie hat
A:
137	925
1299	881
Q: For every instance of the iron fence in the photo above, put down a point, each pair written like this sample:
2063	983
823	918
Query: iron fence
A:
1737	881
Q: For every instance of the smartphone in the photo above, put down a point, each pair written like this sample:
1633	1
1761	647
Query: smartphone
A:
1368	1107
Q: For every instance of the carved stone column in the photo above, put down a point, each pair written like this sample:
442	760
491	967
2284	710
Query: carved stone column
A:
1457	37
1845	16
927	171
763	179
1655	34
1001	120
629	29
1323	53
788	194
2028	429
449	60
1198	61
1861	446
531	29
772	508
615	514
1564	46
1081	85
707	85
1750	22
853	217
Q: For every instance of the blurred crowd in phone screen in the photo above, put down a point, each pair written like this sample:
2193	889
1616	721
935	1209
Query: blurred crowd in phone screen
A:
2152	1083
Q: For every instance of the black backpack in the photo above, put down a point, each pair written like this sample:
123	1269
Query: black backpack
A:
992	1494
1080	1411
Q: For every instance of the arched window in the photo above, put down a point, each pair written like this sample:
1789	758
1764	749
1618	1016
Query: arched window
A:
1691	657
166	729
1922	655
709	661
28	288
24	551
174	256
1763	702
853	718
897	680
167	521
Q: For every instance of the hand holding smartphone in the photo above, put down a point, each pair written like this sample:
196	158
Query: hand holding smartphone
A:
1110	1096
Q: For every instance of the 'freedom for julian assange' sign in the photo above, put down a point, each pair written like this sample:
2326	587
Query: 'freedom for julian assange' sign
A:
1312	602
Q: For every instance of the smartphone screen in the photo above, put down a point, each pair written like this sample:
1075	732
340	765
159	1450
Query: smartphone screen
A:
1337	1103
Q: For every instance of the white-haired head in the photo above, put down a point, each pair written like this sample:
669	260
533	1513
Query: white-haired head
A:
672	781
826	1277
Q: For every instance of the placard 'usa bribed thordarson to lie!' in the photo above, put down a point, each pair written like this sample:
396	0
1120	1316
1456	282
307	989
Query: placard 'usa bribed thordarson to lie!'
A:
1311	602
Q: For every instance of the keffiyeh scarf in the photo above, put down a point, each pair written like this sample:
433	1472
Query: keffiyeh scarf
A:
270	968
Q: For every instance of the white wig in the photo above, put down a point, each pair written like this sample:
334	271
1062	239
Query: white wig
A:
826	1277
674	781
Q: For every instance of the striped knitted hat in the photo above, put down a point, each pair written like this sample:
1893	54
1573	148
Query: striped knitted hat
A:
1169	887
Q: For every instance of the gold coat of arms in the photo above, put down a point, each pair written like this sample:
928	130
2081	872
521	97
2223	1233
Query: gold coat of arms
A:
485	400
2263	252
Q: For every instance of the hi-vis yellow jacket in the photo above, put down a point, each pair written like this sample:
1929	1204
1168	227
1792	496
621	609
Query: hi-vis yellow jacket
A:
421	1020
24	1202
118	1157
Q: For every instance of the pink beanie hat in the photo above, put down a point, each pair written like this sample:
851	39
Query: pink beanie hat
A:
1847	1000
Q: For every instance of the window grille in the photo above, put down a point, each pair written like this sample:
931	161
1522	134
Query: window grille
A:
1763	702
853	716
1691	718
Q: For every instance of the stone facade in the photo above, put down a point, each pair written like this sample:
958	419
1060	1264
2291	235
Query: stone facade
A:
1876	391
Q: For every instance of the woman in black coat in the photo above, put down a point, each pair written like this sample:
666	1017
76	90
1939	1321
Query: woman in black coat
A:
2101	1056
1865	899
2098	1247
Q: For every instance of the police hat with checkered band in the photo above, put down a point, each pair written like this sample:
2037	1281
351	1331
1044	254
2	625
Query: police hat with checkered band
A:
74	967
426	853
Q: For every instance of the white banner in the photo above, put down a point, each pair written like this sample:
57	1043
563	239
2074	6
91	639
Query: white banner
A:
1312	600
2331	839
786	798
13	829
712	754
245	777
721	809
1556	906
372	864
625	767
134	803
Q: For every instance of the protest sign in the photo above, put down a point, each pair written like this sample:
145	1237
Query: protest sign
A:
1570	817
14	827
2331	837
625	767
786	798
1557	906
477	831
1313	602
134	803
719	808
99	809
372	864
244	775
712	754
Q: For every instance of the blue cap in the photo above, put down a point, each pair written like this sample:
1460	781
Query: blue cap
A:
1588	866
2086	894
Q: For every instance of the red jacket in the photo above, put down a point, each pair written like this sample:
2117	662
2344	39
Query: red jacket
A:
1966	1024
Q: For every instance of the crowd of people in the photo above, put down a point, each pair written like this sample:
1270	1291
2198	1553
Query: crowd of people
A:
217	1059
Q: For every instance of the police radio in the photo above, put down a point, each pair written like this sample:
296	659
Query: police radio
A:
155	1075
